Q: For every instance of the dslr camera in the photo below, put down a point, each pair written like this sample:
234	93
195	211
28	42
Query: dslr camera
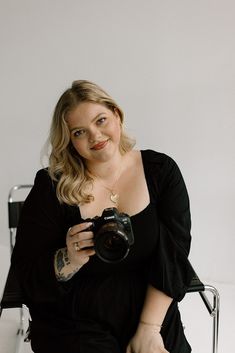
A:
113	235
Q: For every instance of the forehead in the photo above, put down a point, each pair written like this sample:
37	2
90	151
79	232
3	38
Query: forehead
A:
86	111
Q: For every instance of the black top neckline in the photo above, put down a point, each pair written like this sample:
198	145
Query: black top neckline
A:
145	209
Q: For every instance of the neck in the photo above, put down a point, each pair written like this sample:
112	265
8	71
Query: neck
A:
106	170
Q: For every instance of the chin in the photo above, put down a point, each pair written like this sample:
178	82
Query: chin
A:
107	154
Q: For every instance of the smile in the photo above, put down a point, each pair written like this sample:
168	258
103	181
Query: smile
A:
100	145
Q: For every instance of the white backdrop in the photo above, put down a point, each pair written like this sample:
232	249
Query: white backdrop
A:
169	64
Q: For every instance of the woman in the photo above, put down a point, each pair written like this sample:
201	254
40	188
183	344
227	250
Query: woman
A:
81	302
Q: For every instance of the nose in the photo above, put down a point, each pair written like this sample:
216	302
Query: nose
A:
94	134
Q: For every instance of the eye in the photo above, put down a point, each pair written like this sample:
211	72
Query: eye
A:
101	121
78	133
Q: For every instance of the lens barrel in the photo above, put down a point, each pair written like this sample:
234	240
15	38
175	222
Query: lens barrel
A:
111	242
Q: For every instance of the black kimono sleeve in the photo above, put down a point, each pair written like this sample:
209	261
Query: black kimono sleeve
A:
170	269
41	231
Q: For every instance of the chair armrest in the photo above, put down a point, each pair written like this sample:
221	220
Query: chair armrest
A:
196	285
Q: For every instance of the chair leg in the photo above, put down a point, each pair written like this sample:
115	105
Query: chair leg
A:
22	320
213	310
21	331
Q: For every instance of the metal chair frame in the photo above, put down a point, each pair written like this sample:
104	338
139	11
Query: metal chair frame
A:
9	301
213	307
14	208
214	310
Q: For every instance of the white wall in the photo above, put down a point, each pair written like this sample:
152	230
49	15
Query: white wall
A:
169	64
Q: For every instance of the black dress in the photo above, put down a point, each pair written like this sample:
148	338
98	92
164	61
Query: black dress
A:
98	309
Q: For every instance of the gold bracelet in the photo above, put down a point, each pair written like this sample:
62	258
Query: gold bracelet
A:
148	324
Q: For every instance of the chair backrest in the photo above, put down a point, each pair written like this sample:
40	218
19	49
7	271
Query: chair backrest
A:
15	204
12	294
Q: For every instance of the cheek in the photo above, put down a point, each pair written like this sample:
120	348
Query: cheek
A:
78	145
116	129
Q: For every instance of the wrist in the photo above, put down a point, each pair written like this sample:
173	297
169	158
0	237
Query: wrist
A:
70	265
64	269
156	327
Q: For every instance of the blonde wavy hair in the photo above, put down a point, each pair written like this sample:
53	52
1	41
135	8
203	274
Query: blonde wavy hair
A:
66	166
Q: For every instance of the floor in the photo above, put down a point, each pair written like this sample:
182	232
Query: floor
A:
195	317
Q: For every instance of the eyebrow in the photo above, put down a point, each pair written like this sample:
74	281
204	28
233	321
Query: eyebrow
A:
78	127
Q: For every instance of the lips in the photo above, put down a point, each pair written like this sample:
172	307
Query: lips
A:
100	145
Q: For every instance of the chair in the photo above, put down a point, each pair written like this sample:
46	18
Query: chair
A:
196	286
12	295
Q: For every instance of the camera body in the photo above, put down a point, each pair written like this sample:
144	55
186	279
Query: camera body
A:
113	235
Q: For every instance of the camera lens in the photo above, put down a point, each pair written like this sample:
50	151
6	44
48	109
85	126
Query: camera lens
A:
111	242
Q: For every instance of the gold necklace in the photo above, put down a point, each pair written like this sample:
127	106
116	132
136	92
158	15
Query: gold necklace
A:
113	196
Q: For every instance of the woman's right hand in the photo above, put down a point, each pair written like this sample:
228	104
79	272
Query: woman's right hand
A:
79	248
146	340
80	243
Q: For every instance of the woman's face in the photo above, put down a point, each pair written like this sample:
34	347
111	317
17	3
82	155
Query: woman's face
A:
94	131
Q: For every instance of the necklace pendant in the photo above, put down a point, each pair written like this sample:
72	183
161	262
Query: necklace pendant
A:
114	198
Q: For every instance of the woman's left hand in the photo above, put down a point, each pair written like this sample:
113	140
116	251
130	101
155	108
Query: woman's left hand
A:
146	340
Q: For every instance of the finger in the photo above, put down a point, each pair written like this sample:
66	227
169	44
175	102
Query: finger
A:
87	252
77	228
128	350
85	243
80	241
76	246
82	238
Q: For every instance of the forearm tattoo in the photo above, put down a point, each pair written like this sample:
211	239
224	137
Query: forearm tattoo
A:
60	260
62	264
